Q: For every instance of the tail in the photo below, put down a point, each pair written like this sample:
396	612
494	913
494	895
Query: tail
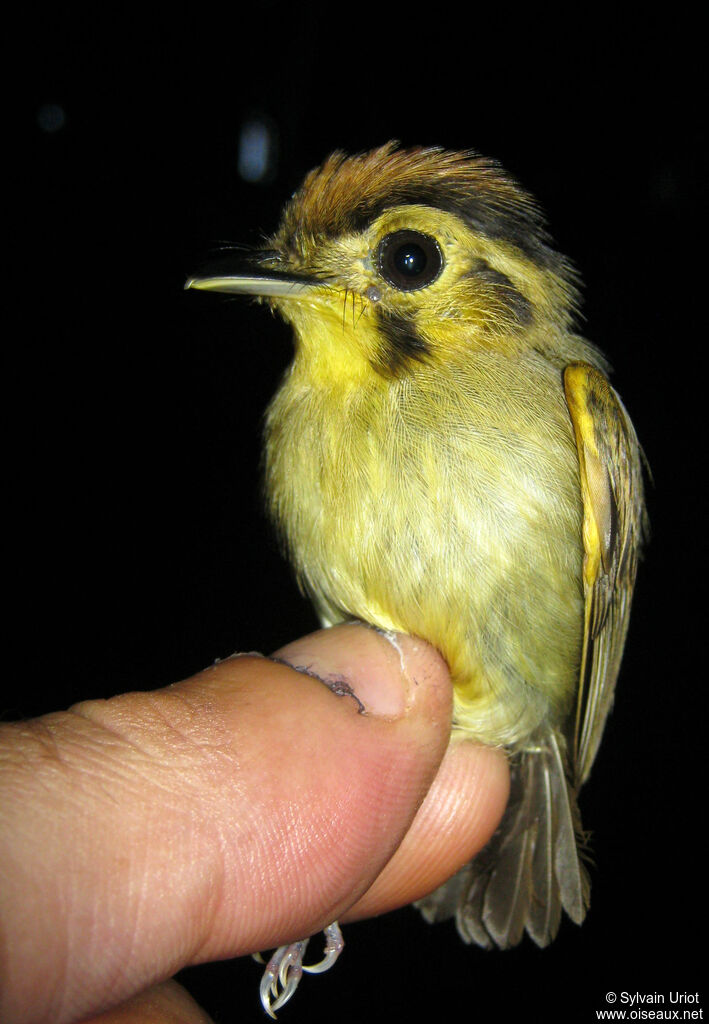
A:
531	867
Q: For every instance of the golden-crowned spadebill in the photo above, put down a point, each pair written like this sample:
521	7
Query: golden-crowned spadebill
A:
445	457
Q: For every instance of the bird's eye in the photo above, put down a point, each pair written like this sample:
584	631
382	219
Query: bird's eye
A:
409	260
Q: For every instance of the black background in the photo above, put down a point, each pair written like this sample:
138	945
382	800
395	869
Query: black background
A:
136	550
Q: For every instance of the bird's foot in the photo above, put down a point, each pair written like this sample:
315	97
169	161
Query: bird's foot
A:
285	969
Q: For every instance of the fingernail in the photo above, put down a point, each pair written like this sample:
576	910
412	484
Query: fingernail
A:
380	670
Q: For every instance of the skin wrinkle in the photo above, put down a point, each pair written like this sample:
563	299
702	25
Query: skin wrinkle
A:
193	746
154	706
38	733
109	762
110	757
46	769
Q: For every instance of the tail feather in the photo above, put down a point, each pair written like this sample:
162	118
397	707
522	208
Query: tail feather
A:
544	914
530	869
510	882
571	875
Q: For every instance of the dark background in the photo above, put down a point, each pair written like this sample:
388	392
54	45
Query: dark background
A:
136	550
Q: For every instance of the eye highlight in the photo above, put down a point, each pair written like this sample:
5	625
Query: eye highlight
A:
409	260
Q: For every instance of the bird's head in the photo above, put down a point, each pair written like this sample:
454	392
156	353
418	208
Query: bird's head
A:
395	258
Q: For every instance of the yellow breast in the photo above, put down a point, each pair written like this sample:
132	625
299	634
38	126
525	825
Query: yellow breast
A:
445	504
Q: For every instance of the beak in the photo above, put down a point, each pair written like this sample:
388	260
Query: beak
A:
244	275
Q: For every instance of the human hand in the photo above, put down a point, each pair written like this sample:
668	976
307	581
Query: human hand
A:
237	810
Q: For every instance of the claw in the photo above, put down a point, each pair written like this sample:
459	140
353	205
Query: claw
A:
334	944
285	969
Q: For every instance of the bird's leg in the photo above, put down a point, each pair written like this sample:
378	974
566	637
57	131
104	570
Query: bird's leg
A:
285	969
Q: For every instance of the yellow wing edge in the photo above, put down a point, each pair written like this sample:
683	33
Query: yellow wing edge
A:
613	525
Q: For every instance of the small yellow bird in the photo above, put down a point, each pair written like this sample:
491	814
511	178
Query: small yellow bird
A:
445	457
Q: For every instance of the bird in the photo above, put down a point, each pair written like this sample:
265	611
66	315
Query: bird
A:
445	457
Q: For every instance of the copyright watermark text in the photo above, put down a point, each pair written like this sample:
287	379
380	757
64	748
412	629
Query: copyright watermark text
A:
651	1006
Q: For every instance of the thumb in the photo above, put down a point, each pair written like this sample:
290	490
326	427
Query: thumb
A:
344	778
247	806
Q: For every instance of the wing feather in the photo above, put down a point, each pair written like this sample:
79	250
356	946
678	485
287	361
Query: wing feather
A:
613	525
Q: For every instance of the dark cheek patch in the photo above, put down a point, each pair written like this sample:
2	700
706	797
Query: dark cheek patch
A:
513	302
400	344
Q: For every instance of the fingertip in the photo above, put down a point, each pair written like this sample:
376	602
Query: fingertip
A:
390	674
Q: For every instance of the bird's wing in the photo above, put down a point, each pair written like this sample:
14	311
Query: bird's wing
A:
613	524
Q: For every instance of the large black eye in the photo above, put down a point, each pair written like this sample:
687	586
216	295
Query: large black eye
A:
409	260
